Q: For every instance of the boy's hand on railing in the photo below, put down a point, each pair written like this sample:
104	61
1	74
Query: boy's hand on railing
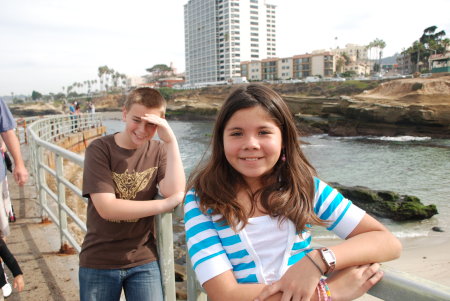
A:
174	200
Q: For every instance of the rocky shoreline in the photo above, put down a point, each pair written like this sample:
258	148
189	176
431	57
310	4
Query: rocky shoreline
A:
403	107
413	107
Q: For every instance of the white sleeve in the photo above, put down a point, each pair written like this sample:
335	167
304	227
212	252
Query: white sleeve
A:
330	205
205	248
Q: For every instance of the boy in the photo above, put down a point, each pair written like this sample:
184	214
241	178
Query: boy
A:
122	174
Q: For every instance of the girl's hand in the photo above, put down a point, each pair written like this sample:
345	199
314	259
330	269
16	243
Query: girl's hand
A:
353	282
19	283
165	133
298	283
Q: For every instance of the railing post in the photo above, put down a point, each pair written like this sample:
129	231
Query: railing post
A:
41	180
62	215
165	251
194	292
397	285
25	131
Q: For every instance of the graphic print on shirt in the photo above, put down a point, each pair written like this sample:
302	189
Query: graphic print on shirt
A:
128	184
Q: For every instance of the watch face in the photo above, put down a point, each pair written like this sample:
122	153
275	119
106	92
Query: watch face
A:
329	257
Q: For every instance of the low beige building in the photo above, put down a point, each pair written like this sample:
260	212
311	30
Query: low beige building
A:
296	67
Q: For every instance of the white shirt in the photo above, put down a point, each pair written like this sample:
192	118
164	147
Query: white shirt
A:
269	249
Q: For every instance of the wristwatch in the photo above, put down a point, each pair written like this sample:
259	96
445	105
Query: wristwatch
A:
329	259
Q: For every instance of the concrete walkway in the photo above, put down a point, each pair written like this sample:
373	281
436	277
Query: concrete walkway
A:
47	274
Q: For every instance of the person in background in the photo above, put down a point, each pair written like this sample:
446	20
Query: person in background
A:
77	116
123	173
20	173
72	111
6	210
91	107
13	266
251	205
7	126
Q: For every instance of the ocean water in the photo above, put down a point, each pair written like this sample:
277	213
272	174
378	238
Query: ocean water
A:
418	166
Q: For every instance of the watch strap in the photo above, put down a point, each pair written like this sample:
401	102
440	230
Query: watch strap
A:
331	264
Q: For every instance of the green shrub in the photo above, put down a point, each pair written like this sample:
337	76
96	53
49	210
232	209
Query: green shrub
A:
417	86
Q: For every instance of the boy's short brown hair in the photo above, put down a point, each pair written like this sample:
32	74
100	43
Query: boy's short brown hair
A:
148	97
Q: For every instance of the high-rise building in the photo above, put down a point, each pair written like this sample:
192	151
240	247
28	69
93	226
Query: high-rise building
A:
219	34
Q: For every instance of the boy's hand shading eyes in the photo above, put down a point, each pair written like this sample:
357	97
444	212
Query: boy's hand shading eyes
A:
165	133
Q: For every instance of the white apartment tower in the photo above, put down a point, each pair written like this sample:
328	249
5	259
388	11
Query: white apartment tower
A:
219	34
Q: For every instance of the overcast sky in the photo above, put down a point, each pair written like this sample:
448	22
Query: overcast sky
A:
48	44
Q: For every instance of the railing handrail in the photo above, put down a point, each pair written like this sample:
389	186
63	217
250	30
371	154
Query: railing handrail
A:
394	285
43	133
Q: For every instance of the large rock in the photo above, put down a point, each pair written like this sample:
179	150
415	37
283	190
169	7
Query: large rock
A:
387	204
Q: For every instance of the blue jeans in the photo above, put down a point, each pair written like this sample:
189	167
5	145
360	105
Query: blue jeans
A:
140	283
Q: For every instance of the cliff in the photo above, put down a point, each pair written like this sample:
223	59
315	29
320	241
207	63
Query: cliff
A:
416	106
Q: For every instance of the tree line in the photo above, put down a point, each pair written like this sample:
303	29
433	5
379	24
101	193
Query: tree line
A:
431	42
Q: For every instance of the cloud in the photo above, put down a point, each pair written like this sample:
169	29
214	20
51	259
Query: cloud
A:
48	44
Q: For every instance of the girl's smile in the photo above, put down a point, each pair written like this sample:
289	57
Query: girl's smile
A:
252	143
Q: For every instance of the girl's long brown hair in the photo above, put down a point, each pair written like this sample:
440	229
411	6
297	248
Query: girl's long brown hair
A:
288	191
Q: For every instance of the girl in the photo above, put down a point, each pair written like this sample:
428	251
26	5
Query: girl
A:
250	207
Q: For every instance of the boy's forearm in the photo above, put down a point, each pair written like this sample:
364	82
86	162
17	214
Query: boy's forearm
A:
174	180
111	208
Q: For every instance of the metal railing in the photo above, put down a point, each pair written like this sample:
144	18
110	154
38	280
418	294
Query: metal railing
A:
49	161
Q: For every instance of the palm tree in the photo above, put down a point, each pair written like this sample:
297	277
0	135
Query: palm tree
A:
123	77
381	45
102	70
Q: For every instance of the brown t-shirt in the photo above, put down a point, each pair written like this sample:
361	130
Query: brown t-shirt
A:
129	174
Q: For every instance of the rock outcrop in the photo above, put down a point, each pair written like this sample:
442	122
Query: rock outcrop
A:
387	204
417	107
37	109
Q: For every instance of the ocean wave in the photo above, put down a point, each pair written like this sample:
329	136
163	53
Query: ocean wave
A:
400	138
399	234
325	236
385	138
408	234
313	145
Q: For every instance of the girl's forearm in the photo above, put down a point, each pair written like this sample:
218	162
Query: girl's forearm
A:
368	247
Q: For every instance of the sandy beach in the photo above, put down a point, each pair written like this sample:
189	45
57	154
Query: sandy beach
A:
425	257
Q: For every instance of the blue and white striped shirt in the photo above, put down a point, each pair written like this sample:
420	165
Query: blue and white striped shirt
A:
215	248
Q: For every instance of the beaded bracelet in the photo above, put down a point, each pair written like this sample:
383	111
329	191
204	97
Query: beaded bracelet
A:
319	298
327	290
322	291
317	266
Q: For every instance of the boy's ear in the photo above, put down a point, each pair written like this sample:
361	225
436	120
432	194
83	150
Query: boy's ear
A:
124	114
